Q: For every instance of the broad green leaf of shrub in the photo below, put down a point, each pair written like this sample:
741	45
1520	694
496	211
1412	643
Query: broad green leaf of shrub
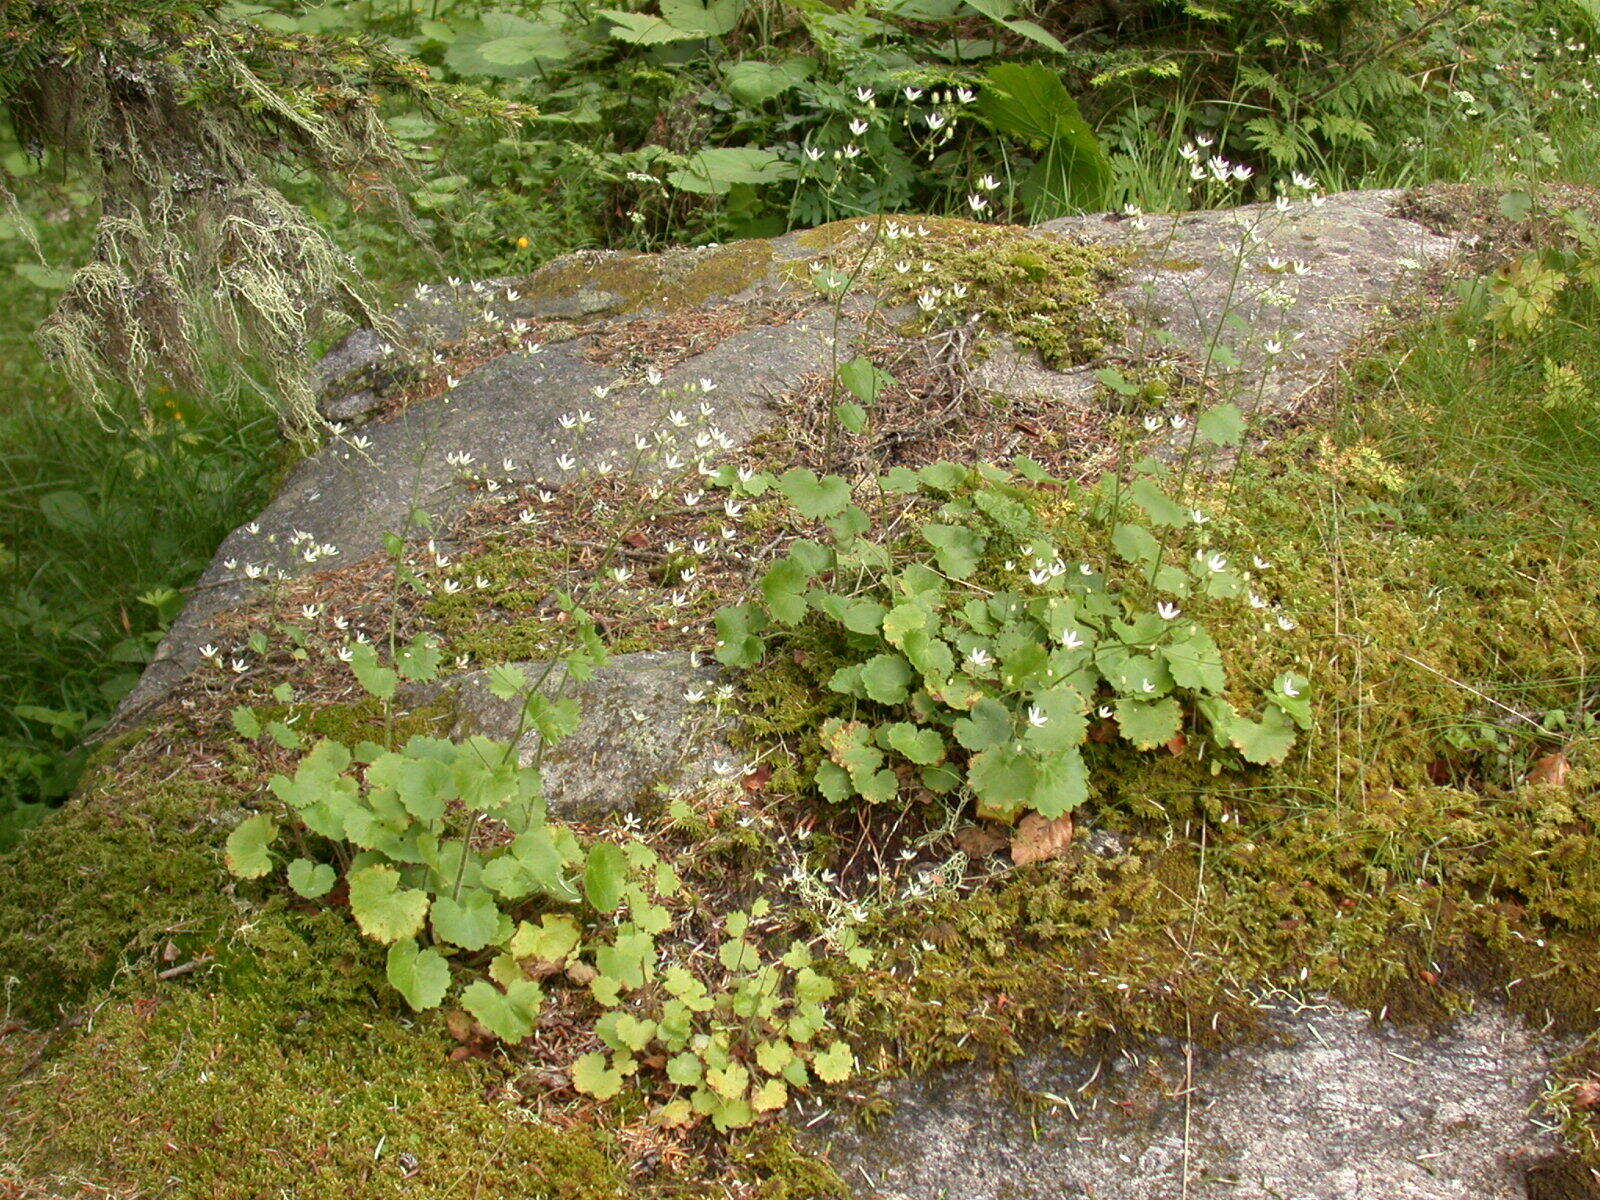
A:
739	635
1266	742
864	381
989	724
378	680
605	872
956	548
1136	545
1195	661
1148	725
1064	724
1157	505
1222	425
835	1064
312	880
509	1015
1003	12
716	171
553	940
419	660
470	922
886	678
814	498
246	849
1003	780
1061	785
752	81
784	589
1028	101
421	976
555	717
385	911
245	722
925	747
505	46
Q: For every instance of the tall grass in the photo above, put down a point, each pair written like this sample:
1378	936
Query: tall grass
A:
104	517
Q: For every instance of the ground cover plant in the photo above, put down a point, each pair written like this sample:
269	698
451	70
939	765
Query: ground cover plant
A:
1319	682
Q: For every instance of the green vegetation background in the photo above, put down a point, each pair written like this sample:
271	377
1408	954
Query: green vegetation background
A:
693	126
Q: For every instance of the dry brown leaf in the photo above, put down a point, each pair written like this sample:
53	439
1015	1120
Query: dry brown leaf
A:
1551	769
1040	838
1177	745
980	841
1586	1096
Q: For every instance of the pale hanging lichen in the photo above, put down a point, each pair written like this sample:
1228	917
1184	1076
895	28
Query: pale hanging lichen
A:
187	124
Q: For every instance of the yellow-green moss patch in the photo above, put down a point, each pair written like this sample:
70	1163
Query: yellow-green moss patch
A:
292	1074
676	280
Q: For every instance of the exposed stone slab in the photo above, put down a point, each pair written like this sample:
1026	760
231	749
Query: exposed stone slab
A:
639	733
1357	249
1337	1109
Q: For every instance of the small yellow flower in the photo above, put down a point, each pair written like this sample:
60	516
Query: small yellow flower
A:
523	243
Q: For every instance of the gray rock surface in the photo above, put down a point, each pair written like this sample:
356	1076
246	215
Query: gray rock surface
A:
1336	1109
639	732
1356	250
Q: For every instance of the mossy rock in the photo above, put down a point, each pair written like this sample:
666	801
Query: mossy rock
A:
289	1071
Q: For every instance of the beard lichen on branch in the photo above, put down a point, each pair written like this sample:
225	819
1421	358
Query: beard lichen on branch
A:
185	123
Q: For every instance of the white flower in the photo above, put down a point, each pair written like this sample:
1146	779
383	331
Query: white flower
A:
239	665
976	202
1273	347
1037	717
966	95
1261	563
1085	570
692	498
936	121
1257	600
732	507
1216	562
677	417
1146	686
1152	423
1285	622
694	695
1206	140
864	95
1198	517
1290	688
208	651
1188	153
928	301
1304	182
1179	421
1072	640
858	127
344	654
1040	575
814	153
621	574
566	462
311	611
979	657
913	94
1167	609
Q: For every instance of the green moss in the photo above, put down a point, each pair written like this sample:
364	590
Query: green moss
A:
121	868
677	280
291	1073
1045	292
1371	866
